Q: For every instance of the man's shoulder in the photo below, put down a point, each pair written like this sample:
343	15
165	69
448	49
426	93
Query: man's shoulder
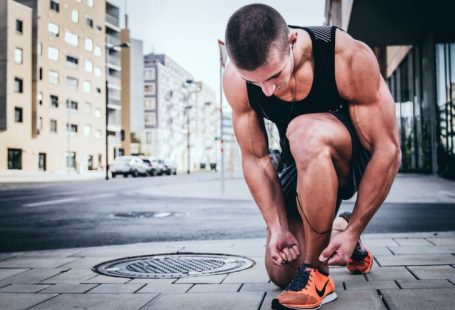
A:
234	88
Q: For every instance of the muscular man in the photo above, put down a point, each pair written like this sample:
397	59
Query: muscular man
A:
336	122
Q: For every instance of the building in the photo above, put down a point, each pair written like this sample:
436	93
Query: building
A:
54	98
16	87
164	107
114	81
136	99
181	116
414	42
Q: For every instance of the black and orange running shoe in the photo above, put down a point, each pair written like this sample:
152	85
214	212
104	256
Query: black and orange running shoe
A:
361	260
310	289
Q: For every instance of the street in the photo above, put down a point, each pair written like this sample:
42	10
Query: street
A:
98	212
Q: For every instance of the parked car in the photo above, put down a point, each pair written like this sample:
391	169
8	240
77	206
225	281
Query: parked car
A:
171	167
128	165
151	170
159	166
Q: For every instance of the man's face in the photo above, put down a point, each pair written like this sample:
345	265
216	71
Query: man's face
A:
275	75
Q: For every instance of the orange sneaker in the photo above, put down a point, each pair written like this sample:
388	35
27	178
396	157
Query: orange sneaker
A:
310	289
361	261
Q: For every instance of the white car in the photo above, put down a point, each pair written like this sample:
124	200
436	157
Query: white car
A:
128	165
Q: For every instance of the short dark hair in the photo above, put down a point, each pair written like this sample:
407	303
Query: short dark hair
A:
251	32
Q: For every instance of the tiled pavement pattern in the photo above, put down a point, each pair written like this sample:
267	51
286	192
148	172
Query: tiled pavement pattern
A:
412	271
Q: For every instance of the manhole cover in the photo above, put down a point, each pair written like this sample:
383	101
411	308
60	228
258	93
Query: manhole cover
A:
142	215
173	265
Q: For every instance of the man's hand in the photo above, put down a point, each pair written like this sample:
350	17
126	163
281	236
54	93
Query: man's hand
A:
283	247
339	249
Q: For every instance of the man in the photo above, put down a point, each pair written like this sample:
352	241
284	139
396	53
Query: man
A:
336	121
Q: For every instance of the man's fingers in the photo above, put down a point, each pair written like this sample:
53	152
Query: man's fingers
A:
337	260
296	249
287	254
293	253
328	252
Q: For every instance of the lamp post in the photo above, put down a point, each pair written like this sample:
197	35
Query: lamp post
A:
106	92
188	153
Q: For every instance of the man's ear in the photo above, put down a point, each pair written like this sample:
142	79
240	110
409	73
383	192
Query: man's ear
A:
293	37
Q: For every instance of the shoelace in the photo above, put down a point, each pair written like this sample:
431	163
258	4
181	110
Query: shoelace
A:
301	280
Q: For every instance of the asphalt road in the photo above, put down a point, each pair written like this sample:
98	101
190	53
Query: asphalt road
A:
92	213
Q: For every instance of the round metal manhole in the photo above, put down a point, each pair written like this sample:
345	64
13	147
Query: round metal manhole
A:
142	215
179	265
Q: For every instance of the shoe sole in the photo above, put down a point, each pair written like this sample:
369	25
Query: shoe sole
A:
329	298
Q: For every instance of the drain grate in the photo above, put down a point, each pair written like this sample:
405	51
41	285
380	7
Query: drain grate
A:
173	265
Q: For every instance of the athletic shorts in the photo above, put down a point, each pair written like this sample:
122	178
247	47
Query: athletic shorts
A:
359	161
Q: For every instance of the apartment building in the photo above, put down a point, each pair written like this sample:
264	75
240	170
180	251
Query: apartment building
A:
164	107
62	49
114	80
16	87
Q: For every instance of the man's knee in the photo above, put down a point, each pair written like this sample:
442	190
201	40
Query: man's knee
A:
308	141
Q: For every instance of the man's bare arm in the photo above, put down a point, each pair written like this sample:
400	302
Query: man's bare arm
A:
372	111
258	170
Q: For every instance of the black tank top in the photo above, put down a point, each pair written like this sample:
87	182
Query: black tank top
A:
323	96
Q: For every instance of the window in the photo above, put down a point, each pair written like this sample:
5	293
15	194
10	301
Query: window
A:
71	128
71	38
88	44
18	55
89	22
72	60
18	85
88	107
40	98
55	6
18	115
90	162
40	73
87	130
71	160
150	103
97	71
74	16
98	90
150	89
19	26
40	124
52	53
42	161
54	101
72	83
90	3
87	87
149	73
97	51
54	77
98	134
88	66
71	104
53	29
14	159
53	125
98	112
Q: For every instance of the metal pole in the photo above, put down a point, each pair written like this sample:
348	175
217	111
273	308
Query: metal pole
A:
107	117
188	139
221	128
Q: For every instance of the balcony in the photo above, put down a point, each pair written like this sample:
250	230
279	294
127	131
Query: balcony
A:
111	40
113	20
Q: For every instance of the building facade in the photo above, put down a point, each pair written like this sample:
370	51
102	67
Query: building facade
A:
136	99
181	116
61	83
416	51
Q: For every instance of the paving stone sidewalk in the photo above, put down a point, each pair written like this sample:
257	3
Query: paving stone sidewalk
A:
412	271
